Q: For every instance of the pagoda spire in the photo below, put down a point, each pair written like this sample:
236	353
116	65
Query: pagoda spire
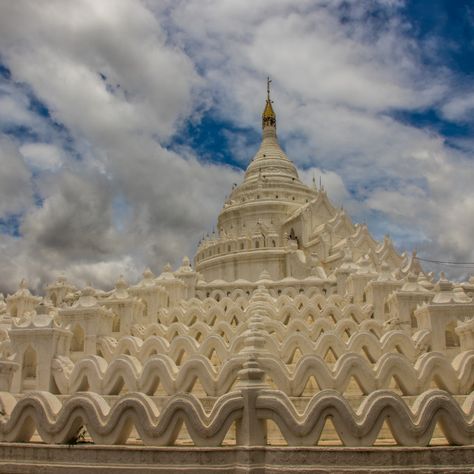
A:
268	116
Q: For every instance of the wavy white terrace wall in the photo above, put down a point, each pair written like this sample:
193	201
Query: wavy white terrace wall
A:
312	349
295	326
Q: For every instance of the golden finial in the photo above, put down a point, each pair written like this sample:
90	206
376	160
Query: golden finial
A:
268	116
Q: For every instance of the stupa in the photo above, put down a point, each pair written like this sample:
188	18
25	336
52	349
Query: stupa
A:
295	343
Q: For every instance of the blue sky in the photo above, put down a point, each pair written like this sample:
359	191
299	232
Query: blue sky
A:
123	124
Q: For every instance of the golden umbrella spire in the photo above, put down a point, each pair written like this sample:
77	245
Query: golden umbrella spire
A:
268	116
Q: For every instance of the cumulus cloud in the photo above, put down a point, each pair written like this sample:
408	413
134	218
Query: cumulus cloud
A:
99	185
330	181
110	191
15	184
459	108
340	79
101	65
43	156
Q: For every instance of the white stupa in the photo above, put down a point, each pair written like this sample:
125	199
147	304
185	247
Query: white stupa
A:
294	332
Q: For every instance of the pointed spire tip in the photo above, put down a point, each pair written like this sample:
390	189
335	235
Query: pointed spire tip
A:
268	116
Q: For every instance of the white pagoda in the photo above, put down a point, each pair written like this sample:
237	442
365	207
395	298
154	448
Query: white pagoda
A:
296	343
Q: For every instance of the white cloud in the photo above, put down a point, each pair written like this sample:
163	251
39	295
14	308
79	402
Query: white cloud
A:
459	108
107	73
121	76
337	85
330	181
99	64
13	111
15	184
43	156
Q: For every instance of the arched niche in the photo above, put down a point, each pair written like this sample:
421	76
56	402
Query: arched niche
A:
450	336
77	342
116	324
29	369
54	298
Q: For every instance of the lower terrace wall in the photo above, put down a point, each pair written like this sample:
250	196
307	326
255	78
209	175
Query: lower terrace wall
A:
91	459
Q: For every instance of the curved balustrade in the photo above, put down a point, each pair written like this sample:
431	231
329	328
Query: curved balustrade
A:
409	427
127	372
282	308
182	347
57	422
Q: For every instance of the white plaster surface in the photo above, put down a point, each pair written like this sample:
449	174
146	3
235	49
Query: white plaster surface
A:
293	328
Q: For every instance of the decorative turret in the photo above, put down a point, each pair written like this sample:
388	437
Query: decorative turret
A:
37	339
174	287
448	307
186	274
128	309
57	291
151	293
22	301
403	302
89	321
379	289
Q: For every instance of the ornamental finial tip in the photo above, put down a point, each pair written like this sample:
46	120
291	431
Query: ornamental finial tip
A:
268	116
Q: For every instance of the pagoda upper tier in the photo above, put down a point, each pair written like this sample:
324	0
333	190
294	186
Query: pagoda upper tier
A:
273	222
271	189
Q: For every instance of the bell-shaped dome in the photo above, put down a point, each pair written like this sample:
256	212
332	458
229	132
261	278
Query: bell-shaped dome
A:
270	161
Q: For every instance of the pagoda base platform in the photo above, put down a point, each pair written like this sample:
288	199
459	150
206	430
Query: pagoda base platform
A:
90	459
